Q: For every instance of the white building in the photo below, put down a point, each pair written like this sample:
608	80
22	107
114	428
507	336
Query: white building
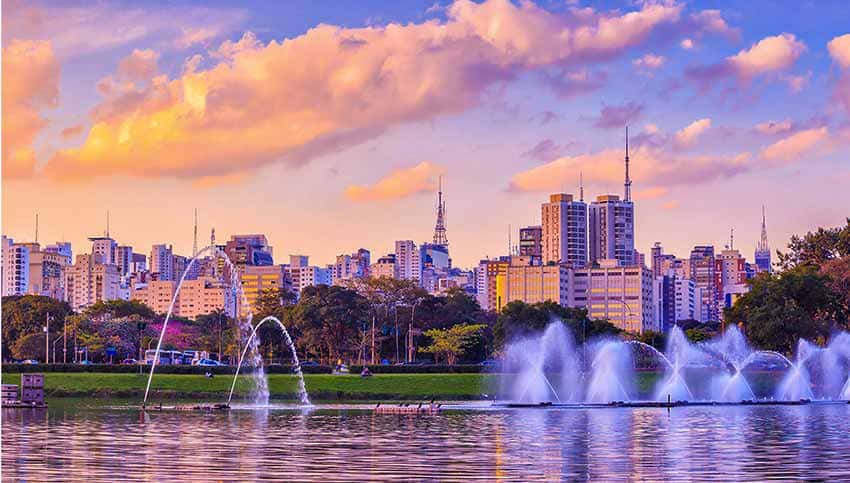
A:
384	267
303	277
124	259
687	299
622	295
89	281
16	261
564	232
612	230
105	247
408	261
162	261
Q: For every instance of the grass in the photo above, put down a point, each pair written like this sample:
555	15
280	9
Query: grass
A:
281	386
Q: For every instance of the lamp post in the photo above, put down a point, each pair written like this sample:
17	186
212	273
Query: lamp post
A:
47	339
410	353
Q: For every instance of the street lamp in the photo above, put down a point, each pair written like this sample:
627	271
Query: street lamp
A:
410	354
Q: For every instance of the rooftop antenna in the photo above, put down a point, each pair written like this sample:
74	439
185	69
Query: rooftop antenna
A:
581	186
195	244
732	238
107	223
628	183
212	252
509	239
36	227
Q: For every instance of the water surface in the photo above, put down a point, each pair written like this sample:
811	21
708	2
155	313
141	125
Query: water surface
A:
77	441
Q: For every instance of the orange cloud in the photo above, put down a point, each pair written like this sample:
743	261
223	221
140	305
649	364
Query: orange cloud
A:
30	83
650	193
332	87
768	55
839	50
72	131
399	184
687	136
796	145
139	66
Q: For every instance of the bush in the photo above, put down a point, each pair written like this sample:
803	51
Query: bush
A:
426	369
160	369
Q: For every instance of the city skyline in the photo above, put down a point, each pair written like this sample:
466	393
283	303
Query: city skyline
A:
507	117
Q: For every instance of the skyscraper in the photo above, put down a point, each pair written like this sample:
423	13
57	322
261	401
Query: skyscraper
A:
531	241
162	261
762	255
564	232
408	262
703	273
612	224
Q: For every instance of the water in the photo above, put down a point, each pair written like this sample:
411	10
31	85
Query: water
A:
335	443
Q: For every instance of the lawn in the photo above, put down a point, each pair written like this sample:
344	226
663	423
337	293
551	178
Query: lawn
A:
320	386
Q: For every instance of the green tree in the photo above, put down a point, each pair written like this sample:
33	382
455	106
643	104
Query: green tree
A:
816	248
697	335
451	343
327	320
780	309
30	346
519	319
27	314
113	309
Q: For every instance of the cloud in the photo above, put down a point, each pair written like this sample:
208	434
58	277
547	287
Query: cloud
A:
651	167
650	193
297	99
572	84
687	136
611	117
30	83
97	26
796	145
139	66
546	117
670	205
546	150
687	44
649	62
839	50
399	184
72	131
796	83
767	56
774	127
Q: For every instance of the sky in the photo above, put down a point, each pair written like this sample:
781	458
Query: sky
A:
326	125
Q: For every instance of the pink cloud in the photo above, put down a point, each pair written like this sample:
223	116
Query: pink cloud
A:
615	117
332	87
139	66
399	184
575	83
796	145
688	136
546	150
649	62
768	56
30	83
774	127
839	50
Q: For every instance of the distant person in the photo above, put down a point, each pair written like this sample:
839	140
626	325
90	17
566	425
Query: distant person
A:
365	372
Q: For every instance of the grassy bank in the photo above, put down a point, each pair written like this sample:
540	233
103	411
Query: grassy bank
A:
281	386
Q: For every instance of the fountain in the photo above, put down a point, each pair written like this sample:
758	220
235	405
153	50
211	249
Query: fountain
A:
244	324
302	389
724	370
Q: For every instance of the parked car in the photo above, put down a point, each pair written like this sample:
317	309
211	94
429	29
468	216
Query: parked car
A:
86	362
209	362
129	361
490	363
29	361
309	363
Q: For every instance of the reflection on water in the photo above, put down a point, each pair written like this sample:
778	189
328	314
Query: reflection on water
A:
335	443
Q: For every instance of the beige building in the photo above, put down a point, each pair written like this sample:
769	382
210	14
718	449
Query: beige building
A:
46	275
564	230
622	295
156	294
537	283
491	284
256	279
89	281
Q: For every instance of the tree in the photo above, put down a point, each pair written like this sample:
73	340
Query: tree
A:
327	320
452	342
27	314
816	248
519	319
271	302
109	309
30	346
780	309
697	335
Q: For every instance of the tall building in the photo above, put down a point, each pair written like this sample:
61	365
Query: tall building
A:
124	259
203	296
612	230
16	270
298	261
537	283
531	241
564	230
46	272
686	299
730	271
303	277
660	261
62	248
162	262
762	254
703	273
138	263
105	247
351	266
612	224
664	298
622	295
249	250
180	264
257	279
89	281
156	294
408	261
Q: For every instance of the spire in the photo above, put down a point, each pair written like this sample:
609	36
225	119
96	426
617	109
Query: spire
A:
195	244
440	227
581	186
762	246
628	183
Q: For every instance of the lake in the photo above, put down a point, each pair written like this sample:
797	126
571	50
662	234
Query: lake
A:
83	440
